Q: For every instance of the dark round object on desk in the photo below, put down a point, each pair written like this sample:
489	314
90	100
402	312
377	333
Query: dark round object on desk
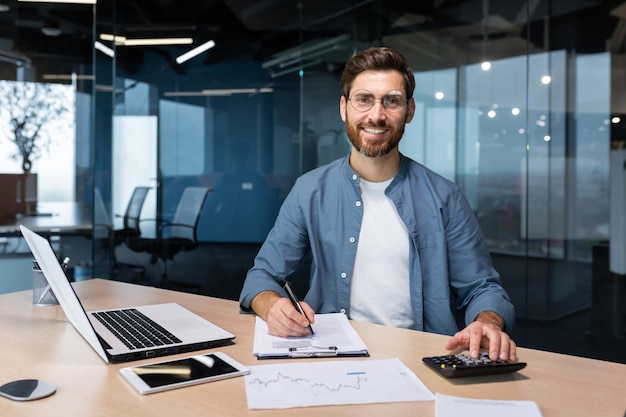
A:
27	390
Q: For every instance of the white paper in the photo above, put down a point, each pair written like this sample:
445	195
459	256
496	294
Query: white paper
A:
448	406
331	330
332	382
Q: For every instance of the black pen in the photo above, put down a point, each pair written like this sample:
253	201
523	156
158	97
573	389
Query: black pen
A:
296	303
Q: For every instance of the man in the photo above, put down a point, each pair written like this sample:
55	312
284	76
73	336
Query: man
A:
391	241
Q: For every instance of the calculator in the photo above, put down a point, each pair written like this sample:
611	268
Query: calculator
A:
462	364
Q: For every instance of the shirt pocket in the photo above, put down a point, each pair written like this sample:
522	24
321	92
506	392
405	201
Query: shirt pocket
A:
430	233
433	264
429	240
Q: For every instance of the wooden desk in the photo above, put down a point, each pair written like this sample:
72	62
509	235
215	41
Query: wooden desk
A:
56	218
38	342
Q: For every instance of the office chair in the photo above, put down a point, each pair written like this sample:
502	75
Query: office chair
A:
177	235
130	226
104	231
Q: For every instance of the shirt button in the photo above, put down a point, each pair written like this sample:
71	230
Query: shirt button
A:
343	311
358	204
354	177
344	275
352	240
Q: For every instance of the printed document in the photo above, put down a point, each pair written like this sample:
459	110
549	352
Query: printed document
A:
332	382
334	336
447	406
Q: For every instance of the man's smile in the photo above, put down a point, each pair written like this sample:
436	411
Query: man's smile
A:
375	130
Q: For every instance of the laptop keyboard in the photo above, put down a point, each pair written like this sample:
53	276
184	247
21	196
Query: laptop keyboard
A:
134	329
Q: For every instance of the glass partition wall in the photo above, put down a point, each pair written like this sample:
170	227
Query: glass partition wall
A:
518	102
46	98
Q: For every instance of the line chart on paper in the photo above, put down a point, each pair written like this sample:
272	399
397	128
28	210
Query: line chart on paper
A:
280	378
332	382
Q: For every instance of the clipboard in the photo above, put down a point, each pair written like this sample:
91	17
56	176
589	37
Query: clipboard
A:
334	337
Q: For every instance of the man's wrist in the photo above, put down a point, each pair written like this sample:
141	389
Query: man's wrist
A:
491	317
263	301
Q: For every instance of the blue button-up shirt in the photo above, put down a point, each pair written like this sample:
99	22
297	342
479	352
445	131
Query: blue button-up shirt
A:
449	264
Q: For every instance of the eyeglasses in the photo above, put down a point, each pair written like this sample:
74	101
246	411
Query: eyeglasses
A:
363	100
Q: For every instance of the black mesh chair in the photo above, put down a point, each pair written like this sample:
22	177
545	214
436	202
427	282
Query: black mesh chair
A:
130	223
130	229
110	238
177	235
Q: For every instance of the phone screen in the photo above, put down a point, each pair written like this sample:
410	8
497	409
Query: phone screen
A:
183	370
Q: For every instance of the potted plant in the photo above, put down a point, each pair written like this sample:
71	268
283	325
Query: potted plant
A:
29	109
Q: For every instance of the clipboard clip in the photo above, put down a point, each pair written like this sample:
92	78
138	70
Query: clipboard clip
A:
312	352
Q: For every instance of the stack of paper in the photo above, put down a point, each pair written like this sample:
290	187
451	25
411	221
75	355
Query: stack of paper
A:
334	336
447	406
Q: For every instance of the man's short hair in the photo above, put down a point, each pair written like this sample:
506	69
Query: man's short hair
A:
377	59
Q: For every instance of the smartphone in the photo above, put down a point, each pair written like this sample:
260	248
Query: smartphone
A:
177	373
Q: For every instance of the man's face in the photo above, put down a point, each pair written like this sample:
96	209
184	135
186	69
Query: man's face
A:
377	131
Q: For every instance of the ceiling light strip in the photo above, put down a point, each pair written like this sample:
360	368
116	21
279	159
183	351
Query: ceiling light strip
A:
68	77
124	41
229	91
60	1
157	41
195	51
219	92
112	38
104	49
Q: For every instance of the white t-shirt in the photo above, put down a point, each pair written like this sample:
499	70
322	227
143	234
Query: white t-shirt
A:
379	288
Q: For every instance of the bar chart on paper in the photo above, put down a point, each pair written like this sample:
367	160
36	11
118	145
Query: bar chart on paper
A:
333	382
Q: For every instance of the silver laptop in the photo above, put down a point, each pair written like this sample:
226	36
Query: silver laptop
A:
174	329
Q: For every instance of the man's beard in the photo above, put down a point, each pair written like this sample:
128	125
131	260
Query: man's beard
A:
376	149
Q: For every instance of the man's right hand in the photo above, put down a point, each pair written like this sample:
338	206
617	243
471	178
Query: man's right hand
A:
282	318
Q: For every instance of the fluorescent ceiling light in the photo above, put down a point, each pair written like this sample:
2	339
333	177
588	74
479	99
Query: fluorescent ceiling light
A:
182	94
112	38
195	51
109	89
218	92
104	49
158	41
61	1
67	77
230	91
124	41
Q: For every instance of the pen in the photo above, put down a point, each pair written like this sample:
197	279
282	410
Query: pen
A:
295	302
64	264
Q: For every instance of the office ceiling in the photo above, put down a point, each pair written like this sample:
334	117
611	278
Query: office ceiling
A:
63	33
